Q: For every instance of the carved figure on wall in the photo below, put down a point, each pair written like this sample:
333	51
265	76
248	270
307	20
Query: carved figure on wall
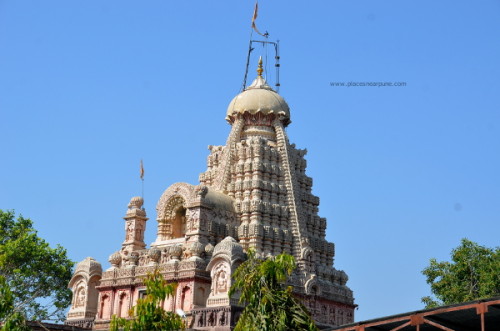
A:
189	221
220	276
80	297
125	256
143	260
139	231
194	216
201	320
222	319
130	232
211	319
221	282
164	256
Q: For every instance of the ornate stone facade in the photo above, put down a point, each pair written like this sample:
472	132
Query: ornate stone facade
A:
254	194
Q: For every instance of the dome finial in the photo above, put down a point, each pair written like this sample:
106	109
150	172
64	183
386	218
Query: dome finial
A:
259	68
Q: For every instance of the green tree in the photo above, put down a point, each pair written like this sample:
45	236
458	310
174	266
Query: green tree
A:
10	320
270	304
35	275
148	315
473	274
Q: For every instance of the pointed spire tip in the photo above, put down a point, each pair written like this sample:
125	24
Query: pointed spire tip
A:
260	69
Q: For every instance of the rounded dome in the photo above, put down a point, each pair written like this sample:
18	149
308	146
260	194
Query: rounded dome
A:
136	202
115	258
258	98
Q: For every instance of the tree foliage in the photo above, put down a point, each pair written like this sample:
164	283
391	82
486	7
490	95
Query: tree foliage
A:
473	274
147	314
270	304
10	320
35	275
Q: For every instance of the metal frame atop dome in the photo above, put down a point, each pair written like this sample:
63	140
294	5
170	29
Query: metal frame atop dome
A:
276	57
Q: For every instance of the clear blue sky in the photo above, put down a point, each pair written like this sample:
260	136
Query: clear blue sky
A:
88	88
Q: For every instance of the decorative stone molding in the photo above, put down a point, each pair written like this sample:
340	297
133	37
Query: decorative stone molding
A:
216	318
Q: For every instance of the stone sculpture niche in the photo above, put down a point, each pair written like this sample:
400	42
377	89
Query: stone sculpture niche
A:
83	285
227	255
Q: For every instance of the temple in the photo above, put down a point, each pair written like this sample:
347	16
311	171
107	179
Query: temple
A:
254	194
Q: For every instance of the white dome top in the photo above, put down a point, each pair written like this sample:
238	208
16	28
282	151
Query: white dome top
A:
258	98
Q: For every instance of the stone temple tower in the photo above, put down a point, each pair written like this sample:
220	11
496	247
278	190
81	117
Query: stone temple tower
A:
254	194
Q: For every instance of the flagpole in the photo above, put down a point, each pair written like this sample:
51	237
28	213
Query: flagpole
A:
141	172
253	27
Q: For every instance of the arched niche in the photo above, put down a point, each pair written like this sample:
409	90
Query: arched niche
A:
105	307
200	298
171	209
122	309
83	285
179	222
173	224
186	299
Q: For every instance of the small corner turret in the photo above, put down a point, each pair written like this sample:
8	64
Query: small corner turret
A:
135	225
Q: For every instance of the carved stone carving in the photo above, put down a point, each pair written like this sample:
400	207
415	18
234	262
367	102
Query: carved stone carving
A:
154	255
175	252
115	259
80	297
196	250
201	191
220	278
209	249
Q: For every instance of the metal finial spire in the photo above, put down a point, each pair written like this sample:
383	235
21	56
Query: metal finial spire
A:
259	68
